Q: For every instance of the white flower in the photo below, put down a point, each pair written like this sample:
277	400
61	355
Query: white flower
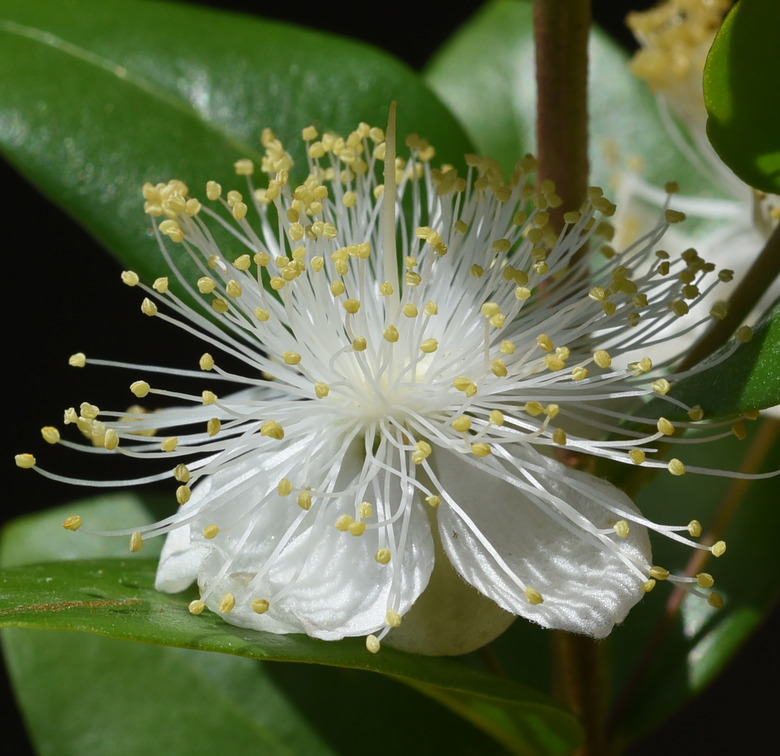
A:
732	223
388	416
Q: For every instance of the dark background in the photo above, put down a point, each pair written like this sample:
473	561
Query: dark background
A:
65	297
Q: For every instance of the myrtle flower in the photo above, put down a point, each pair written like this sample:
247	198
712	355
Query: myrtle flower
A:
422	368
729	226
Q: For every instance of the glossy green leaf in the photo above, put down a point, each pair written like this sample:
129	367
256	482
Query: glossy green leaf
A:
486	74
99	96
656	669
743	101
748	379
115	597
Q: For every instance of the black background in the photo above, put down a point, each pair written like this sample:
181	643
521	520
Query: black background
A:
62	295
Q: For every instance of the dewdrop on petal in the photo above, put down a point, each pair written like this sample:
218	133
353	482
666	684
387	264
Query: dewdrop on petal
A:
382	462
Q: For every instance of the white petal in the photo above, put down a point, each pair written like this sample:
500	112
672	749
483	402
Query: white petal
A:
586	587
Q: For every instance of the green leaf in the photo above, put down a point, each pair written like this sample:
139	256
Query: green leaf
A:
743	105
115	597
486	75
747	379
99	96
655	671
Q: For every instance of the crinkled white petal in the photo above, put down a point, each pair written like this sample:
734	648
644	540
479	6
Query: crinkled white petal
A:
318	580
587	588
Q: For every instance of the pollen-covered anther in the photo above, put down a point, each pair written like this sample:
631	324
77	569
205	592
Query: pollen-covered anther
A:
227	603
148	307
622	528
343	522
183	494
206	362
715	600
291	358
272	429
136	542
466	385
429	345
433	501
648	586
357	527
110	439
393	618
130	278
285	487
211	531
140	389
72	523
383	556
480	449
50	434
321	390
391	334
665	427
422	451
169	444
260	606
533	596
661	386
659	573
705	580
602	358
676	467
695	528
718	548
579	374
77	360
213	426
196	607
372	644
181	473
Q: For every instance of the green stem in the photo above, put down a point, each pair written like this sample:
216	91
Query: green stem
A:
561	30
761	275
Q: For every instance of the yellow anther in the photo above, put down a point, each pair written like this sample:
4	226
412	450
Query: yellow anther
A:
431	308
429	345
213	426
676	467
648	586
372	644
140	389
72	523
695	528
637	456
739	430
659	573
77	360
497	417
206	362
183	494
226	603
181	473
233	289
356	528
285	487
209	397
705	580
359	343
533	596
665	427
337	288
622	528
554	362
262	314
160	285
50	434
272	429
366	510
260	606
480	450
559	437
433	501
391	334
661	386
244	167
719	548
545	342
602	358
136	542
196	607
393	618
579	374
715	600
696	413
291	358
343	523
386	289
321	390
462	424
213	190
304	500
422	451
169	444
130	278
744	334
89	411
383	556
148	307
522	293
110	439
352	306
489	309
680	308
674	216
507	347
410	310
211	531
534	408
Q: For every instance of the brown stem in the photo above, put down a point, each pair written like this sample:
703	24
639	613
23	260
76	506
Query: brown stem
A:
580	682
763	272
561	29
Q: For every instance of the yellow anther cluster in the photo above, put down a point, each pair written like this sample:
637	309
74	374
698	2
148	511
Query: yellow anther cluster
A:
422	451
